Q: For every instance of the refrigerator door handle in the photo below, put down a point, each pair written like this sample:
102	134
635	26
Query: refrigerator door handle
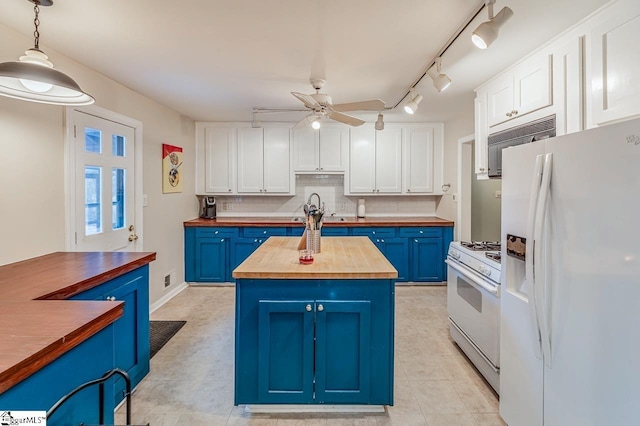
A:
541	287
530	255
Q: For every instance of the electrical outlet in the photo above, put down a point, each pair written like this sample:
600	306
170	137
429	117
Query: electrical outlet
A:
225	206
498	194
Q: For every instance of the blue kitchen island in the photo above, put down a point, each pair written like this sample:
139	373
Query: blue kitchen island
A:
319	333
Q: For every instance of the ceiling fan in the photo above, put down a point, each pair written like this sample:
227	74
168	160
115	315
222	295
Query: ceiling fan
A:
321	106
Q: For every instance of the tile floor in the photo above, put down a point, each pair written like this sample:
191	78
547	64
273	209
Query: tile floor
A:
191	378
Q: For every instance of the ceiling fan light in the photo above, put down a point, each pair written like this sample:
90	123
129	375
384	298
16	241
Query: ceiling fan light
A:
487	32
315	124
412	106
380	122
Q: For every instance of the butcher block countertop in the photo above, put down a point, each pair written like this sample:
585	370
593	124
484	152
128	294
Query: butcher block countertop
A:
36	324
327	221
340	258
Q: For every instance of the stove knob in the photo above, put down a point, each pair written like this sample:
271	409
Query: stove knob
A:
455	254
485	270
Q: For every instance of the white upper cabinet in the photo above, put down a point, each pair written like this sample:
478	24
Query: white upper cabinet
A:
423	159
615	64
323	150
264	161
524	89
219	170
375	160
568	84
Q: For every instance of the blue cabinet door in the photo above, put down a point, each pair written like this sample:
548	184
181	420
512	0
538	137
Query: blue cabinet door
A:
285	351
396	250
241	248
131	333
426	259
211	259
343	357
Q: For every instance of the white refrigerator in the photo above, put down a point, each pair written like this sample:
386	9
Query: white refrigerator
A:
570	311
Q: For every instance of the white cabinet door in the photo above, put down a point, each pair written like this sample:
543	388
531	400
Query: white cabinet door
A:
480	145
520	91
277	160
306	156
219	160
362	159
615	66
389	160
532	85
568	87
250	160
500	100
420	163
332	148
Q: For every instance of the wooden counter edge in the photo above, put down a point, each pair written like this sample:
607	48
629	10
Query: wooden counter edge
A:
34	363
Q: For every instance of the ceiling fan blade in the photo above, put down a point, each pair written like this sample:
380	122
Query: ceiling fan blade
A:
307	100
344	118
372	105
305	121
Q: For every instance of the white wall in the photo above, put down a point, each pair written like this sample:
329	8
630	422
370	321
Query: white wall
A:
453	131
32	205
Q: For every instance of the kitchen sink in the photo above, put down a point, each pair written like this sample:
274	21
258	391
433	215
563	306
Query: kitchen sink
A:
334	219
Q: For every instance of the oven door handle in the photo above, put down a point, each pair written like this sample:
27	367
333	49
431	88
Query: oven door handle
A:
472	276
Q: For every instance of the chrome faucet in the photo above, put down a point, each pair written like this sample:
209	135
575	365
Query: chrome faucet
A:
311	196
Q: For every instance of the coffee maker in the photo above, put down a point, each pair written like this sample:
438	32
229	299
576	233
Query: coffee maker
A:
207	206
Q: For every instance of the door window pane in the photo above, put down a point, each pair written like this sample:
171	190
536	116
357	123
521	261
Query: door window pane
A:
118	145
92	200
92	140
118	197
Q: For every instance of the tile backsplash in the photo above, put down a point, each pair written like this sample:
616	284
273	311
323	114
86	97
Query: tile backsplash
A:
331	191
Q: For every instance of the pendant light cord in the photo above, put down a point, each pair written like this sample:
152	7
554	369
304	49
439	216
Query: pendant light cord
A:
36	22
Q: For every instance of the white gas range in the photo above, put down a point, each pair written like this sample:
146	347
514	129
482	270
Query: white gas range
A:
473	304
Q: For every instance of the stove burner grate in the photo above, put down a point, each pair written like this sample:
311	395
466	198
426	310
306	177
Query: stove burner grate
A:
481	245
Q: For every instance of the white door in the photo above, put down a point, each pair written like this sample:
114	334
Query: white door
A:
104	184
219	159
333	143
277	160
389	160
250	161
420	161
362	156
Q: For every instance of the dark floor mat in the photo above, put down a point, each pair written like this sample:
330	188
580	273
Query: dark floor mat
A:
160	332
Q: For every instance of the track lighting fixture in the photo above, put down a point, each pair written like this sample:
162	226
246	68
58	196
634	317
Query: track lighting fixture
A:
33	77
255	123
412	106
440	81
316	123
487	32
380	122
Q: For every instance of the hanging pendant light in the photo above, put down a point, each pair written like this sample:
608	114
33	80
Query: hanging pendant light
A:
33	77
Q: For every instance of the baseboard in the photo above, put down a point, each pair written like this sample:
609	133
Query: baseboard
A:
313	408
170	295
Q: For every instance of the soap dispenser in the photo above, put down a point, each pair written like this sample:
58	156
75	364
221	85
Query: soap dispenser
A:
360	207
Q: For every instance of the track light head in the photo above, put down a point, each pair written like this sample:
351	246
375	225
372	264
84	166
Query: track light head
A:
487	32
380	122
412	106
440	81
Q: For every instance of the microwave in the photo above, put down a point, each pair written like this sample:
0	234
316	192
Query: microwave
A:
543	128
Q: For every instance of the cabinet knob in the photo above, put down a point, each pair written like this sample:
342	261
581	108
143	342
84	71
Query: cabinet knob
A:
261	190
481	169
320	308
509	114
514	112
255	241
409	190
222	240
216	233
321	168
421	231
308	308
229	189
382	241
264	232
415	241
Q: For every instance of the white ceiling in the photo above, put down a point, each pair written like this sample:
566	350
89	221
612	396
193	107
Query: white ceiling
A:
214	60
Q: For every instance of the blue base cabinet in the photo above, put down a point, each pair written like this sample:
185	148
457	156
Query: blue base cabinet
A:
314	342
418	253
87	361
131	331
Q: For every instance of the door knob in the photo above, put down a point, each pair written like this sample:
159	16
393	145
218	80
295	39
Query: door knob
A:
132	228
320	308
133	237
